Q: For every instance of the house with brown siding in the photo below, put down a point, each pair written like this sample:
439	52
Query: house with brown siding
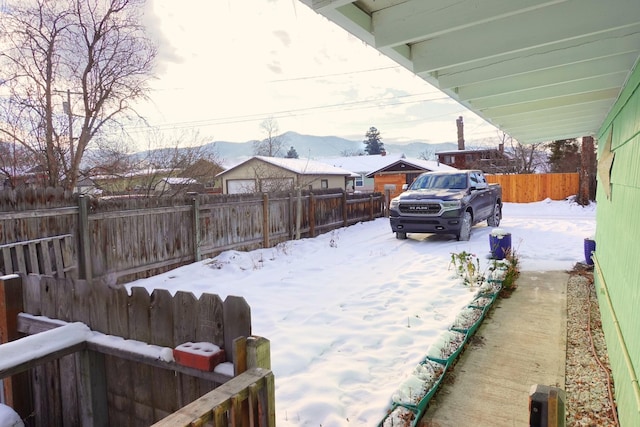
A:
403	171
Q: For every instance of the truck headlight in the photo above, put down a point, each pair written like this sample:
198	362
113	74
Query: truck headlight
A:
394	203
452	205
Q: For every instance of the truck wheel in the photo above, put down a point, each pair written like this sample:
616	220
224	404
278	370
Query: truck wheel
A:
400	235
496	215
465	229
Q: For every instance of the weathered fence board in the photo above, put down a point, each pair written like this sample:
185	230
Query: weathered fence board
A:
53	256
527	188
139	330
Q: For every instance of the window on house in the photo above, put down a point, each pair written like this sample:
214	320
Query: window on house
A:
359	181
324	183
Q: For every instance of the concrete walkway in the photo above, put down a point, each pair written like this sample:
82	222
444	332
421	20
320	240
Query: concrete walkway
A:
521	342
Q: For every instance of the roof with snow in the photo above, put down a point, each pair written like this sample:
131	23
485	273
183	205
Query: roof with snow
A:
298	166
363	164
414	164
179	181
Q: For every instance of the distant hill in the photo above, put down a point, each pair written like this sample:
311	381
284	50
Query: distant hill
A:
315	147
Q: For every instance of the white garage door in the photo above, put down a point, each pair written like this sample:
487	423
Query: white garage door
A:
240	186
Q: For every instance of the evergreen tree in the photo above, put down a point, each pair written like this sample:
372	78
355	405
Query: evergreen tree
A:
292	153
373	142
565	155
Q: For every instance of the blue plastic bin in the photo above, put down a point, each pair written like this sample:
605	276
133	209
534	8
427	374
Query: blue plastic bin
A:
500	245
589	247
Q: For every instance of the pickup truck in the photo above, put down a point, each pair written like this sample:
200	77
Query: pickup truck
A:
446	203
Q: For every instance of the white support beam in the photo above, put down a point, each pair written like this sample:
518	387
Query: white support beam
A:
611	81
549	77
417	20
608	95
573	52
519	33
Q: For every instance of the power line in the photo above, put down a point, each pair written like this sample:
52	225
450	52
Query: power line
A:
343	106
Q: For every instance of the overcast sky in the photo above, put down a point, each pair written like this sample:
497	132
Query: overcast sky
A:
225	66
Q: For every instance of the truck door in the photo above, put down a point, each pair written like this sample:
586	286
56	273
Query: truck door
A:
482	197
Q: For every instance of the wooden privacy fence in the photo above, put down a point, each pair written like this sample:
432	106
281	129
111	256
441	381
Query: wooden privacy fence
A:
126	388
127	238
526	188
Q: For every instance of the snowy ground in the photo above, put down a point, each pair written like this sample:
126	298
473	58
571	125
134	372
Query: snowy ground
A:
350	313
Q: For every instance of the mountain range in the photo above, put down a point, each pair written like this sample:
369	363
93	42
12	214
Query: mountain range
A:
318	147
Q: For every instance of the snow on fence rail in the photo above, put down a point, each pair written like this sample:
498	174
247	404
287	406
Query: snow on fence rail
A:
129	238
136	390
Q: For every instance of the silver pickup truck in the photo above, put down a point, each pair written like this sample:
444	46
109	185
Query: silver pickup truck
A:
446	203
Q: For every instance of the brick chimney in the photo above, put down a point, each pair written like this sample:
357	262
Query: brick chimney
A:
460	126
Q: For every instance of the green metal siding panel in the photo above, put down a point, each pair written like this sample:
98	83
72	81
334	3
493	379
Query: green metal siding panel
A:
625	171
626	127
618	248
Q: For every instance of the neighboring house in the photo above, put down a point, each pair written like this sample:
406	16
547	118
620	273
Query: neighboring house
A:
33	177
403	171
173	185
261	174
86	186
569	78
204	171
362	166
488	160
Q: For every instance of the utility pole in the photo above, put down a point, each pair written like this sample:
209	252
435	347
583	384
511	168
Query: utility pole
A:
460	127
67	107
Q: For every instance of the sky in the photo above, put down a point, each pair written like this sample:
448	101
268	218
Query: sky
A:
349	314
225	66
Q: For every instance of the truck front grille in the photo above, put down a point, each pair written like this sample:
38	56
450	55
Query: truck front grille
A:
420	209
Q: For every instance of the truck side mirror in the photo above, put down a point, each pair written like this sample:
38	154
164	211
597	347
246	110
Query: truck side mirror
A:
405	186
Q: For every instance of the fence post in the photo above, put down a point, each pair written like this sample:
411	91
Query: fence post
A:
15	388
387	201
265	220
344	208
291	217
84	254
92	389
195	203
371	207
298	212
258	352
312	215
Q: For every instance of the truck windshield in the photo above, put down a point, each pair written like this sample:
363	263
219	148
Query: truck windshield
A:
449	181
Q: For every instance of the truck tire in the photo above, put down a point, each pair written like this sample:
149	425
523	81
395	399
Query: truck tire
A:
401	235
496	215
465	230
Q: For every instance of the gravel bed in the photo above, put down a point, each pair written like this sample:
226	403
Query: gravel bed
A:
588	401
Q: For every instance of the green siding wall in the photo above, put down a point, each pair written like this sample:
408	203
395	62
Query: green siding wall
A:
618	246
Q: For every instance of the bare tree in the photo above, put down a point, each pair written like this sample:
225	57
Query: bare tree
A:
172	163
351	153
273	143
70	68
427	154
15	162
529	158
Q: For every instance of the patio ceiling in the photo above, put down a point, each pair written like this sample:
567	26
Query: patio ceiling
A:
538	70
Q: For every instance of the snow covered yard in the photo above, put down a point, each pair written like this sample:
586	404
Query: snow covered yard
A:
350	313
